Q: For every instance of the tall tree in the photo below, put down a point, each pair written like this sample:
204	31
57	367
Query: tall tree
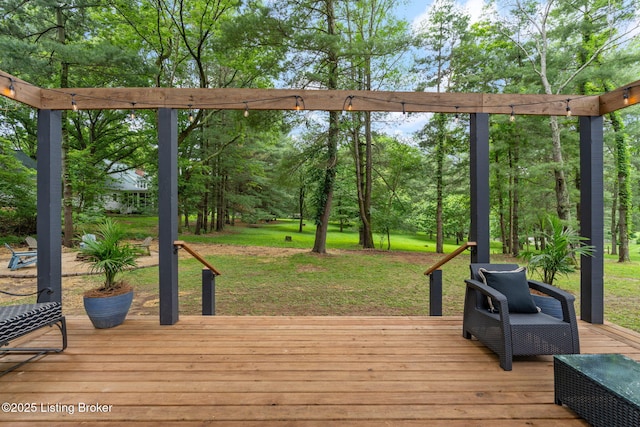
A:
312	32
54	43
592	22
539	31
439	37
376	41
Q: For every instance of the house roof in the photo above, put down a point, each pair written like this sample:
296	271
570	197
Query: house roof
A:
122	178
26	161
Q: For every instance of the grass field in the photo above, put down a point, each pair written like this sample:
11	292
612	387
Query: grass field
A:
347	281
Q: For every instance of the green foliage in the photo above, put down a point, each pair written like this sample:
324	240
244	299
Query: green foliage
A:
561	248
17	194
108	254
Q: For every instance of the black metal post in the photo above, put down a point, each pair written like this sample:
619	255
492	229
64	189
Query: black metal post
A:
435	293
49	204
592	219
479	188
168	214
208	292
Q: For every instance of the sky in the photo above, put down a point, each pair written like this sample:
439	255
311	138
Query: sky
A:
415	10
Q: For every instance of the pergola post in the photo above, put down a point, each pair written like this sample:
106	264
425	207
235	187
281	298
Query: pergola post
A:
479	186
592	219
168	214
49	204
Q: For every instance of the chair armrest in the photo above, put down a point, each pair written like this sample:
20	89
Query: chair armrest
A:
551	290
566	299
492	293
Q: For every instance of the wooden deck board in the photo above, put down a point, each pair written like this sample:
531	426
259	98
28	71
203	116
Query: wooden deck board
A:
290	371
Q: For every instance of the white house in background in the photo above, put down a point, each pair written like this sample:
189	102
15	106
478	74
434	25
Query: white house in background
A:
129	190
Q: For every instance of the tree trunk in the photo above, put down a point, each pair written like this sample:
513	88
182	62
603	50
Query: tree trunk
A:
624	187
67	189
326	188
220	202
362	162
515	225
301	194
440	147
501	208
324	208
614	222
562	193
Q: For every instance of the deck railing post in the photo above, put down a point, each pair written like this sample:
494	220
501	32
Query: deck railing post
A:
435	293
208	292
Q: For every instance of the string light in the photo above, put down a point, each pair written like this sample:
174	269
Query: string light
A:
246	108
9	90
190	113
456	118
132	113
512	117
350	104
12	89
625	95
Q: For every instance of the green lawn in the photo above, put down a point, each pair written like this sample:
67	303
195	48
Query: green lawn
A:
348	280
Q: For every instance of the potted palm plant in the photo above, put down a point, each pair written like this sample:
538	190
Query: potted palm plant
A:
558	255
108	305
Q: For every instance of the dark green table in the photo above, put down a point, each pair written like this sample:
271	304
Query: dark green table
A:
604	389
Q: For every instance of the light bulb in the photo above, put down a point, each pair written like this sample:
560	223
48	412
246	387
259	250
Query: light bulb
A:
625	96
12	89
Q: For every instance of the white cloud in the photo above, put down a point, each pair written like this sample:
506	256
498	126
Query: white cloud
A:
472	7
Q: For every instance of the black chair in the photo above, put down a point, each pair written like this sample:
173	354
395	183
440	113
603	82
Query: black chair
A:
22	319
507	332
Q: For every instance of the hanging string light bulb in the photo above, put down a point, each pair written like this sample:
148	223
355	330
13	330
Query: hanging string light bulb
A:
512	117
625	96
246	108
404	111
12	89
568	108
456	118
74	104
299	103
132	113
190	114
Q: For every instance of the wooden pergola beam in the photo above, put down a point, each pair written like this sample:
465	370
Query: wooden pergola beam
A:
25	92
316	100
620	98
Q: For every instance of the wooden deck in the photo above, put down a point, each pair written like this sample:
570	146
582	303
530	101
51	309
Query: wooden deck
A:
289	371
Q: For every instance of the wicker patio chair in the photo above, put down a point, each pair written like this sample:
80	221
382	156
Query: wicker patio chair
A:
507	332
